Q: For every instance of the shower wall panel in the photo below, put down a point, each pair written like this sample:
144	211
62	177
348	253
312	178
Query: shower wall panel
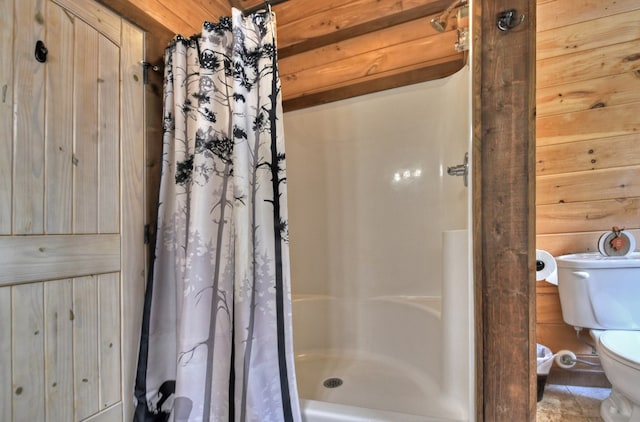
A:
369	194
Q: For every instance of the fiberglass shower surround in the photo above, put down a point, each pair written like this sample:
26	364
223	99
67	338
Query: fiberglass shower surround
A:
382	297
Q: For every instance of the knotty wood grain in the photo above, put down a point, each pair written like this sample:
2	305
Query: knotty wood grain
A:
28	124
110	381
85	347
27	328
592	154
58	356
85	110
587	126
611	183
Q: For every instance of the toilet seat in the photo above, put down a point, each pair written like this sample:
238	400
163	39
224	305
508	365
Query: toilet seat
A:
623	346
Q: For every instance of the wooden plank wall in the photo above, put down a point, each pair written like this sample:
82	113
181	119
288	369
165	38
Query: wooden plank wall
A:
588	136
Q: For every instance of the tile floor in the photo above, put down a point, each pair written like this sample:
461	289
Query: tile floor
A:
567	403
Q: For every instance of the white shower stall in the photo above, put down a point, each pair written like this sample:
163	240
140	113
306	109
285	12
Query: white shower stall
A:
381	256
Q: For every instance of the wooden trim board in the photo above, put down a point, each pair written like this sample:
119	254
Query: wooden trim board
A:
35	258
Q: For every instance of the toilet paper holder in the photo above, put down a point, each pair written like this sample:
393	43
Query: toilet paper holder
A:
567	359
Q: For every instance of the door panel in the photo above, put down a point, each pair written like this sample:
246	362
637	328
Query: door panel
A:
27	339
85	346
108	132
6	120
5	353
85	117
58	349
71	211
59	121
28	123
109	340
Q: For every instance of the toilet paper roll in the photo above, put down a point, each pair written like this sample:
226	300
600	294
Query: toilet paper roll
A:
546	267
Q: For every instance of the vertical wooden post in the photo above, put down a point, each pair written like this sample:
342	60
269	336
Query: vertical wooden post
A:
504	212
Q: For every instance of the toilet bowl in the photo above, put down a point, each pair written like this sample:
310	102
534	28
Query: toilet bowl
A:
620	356
603	294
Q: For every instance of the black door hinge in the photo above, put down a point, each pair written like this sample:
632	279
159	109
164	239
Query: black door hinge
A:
147	234
145	70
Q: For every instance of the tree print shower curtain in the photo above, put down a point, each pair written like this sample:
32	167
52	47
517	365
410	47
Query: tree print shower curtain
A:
216	342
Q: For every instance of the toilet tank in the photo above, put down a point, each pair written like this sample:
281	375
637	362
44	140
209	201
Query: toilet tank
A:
600	292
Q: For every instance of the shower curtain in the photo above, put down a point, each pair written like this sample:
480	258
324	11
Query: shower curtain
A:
216	340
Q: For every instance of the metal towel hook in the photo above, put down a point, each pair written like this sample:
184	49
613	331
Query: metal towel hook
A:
461	169
506	20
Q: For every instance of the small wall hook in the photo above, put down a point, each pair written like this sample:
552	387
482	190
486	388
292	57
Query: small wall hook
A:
148	65
145	70
505	20
41	52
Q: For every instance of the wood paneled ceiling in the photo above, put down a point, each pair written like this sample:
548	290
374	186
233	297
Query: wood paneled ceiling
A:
331	49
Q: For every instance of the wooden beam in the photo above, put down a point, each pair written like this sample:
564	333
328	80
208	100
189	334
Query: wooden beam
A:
504	224
477	212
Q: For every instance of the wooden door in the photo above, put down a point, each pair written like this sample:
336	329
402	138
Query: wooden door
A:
71	211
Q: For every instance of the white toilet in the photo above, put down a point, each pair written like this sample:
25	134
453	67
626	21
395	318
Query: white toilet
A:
602	294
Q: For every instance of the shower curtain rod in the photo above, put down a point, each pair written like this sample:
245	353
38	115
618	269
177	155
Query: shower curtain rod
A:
266	4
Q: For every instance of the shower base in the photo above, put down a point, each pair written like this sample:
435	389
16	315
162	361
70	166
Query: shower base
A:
371	389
